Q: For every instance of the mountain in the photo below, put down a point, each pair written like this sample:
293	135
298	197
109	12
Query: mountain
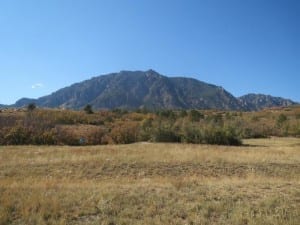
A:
141	89
260	101
24	102
137	89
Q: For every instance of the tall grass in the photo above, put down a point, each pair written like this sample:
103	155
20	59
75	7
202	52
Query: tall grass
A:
152	183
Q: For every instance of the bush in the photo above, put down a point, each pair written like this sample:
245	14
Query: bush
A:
45	138
195	115
191	134
253	133
281	119
168	114
125	133
183	113
146	129
165	133
216	119
218	136
17	136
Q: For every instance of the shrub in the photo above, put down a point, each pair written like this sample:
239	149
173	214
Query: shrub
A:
195	115
281	119
50	126
168	114
216	119
125	133
165	135
253	133
191	134
221	136
183	113
45	138
146	129
17	136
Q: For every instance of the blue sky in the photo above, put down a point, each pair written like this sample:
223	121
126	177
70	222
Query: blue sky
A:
246	46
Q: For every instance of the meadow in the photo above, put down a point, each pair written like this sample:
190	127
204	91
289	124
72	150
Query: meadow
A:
152	183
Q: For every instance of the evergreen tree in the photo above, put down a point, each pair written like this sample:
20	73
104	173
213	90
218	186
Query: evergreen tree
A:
88	109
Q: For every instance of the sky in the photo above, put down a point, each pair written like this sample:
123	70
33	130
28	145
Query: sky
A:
245	46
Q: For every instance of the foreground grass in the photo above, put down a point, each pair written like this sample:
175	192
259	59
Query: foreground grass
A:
152	184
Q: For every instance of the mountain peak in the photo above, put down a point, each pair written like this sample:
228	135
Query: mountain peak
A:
151	71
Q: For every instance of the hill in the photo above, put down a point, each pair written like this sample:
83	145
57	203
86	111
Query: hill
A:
144	89
260	101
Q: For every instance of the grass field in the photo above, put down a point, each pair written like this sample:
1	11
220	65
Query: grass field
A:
147	183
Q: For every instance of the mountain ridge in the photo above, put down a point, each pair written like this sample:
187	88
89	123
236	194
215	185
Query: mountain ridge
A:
151	90
260	101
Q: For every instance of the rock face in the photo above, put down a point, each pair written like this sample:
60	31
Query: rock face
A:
142	89
260	101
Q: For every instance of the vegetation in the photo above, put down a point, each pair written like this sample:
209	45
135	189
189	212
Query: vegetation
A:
144	182
31	107
151	183
88	109
66	127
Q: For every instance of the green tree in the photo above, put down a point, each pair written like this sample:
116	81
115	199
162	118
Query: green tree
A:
88	109
31	107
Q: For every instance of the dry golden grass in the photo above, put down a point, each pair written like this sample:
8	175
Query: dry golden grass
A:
147	183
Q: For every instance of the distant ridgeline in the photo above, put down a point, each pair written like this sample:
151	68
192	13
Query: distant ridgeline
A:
150	90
